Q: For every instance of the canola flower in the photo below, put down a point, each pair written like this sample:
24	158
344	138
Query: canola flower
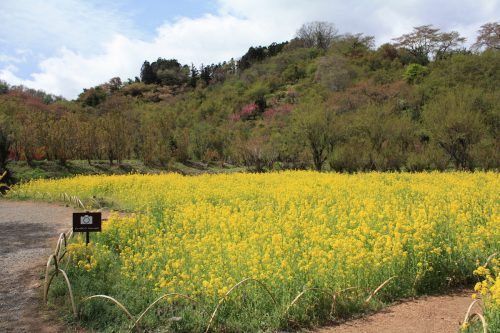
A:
82	256
291	230
488	289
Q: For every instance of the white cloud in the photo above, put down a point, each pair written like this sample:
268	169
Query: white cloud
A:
213	38
8	74
50	24
384	19
208	39
10	59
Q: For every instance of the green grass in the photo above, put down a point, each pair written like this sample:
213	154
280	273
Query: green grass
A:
492	317
22	172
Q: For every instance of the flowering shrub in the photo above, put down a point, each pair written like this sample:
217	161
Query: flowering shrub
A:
279	110
248	111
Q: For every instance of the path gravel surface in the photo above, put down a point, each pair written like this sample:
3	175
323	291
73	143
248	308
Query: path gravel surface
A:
28	233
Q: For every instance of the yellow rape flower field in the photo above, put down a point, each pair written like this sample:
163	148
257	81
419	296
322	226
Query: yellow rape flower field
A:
294	234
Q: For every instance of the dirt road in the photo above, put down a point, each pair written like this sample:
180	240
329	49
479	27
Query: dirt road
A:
429	314
27	232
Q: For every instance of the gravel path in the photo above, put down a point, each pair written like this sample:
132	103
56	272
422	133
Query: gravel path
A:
28	234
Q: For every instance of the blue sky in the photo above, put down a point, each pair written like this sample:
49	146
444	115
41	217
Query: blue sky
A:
147	15
63	46
138	19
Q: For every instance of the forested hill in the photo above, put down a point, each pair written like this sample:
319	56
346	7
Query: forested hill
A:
322	100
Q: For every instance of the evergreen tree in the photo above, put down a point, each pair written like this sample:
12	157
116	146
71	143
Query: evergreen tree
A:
148	76
193	77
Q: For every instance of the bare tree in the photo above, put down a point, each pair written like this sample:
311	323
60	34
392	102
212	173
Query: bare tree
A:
425	42
421	42
4	147
317	34
118	128
335	73
488	37
60	139
447	41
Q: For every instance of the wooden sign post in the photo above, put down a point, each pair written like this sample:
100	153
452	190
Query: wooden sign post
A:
87	222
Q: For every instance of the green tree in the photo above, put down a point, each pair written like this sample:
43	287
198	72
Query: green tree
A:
415	73
4	87
92	96
148	76
156	136
314	121
193	77
456	125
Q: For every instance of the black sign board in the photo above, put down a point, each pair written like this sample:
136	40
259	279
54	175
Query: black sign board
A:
87	222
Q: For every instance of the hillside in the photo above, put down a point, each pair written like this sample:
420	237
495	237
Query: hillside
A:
321	100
